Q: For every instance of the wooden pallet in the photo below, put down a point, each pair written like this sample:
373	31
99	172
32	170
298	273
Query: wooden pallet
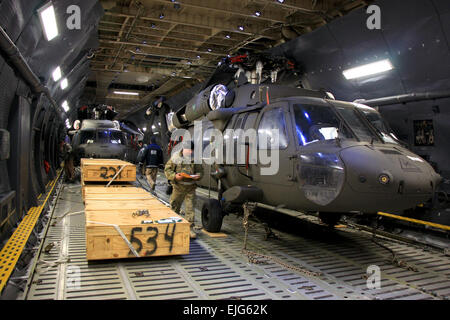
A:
104	170
107	210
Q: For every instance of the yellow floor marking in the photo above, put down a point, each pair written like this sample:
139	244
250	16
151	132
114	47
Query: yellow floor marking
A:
13	248
431	224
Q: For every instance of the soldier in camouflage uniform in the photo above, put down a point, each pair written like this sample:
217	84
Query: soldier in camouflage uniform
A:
183	189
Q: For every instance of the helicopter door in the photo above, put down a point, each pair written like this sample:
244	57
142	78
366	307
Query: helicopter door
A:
244	134
277	157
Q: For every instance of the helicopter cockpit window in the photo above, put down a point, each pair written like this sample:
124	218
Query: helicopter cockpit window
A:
87	136
318	123
103	136
117	137
272	122
361	129
109	136
383	129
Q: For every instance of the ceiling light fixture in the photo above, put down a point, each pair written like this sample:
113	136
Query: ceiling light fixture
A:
280	1
241	28
228	36
64	84
161	16
368	69
126	93
258	13
57	74
65	106
48	21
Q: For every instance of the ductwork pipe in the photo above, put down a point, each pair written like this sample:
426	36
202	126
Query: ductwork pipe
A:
405	98
11	51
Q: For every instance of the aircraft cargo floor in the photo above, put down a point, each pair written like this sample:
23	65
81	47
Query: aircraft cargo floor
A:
217	269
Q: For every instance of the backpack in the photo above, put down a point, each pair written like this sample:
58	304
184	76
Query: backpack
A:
141	155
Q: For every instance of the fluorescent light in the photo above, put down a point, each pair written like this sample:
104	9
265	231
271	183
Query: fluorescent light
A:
65	106
64	84
368	69
57	74
68	125
48	21
126	93
144	129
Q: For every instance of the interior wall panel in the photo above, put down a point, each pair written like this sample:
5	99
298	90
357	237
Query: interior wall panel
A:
18	164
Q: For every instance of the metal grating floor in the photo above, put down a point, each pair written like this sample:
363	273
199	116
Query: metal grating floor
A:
216	268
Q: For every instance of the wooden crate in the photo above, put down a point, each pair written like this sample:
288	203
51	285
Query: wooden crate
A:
102	205
105	169
149	239
117	187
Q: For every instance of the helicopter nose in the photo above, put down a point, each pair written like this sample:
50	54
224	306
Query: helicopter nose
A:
389	174
375	170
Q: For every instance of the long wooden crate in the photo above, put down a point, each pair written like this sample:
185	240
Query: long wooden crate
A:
104	170
116	187
110	213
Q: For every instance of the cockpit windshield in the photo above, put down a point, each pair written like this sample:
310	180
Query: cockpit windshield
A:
356	123
380	125
102	136
110	136
318	123
87	136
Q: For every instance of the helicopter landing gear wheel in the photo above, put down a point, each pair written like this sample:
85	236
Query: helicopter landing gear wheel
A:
330	218
212	215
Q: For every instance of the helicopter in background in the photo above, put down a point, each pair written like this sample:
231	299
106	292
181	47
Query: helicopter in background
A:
103	137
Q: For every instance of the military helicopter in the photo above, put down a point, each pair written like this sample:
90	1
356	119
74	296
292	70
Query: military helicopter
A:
98	139
335	157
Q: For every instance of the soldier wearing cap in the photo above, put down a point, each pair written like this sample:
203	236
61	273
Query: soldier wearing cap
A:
180	165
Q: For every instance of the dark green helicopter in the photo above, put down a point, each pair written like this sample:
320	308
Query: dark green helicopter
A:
334	157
